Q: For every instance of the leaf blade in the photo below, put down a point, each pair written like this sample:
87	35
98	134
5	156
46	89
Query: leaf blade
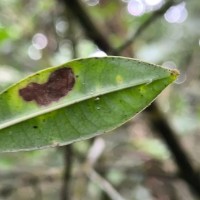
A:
90	116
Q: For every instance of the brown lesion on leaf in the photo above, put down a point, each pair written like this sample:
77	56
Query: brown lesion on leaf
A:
60	82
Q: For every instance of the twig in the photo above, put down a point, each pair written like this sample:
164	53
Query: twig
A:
90	28
104	185
180	156
95	151
168	135
144	26
94	154
67	172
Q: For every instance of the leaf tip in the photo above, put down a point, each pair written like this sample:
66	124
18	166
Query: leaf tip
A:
174	73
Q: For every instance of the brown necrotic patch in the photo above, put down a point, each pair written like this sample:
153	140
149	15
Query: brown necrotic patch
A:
60	82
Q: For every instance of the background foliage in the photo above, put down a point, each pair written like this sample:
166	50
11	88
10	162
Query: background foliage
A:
38	34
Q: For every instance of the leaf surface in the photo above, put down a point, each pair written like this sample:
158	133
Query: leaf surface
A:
78	100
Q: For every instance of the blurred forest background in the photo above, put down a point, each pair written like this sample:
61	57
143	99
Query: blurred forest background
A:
148	158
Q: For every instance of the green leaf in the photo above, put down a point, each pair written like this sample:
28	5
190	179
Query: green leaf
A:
78	100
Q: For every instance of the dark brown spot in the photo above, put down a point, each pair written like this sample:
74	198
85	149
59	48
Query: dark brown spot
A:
60	82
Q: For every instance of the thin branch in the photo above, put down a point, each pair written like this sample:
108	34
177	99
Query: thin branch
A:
91	30
95	151
104	185
94	154
165	131
187	172
157	14
65	189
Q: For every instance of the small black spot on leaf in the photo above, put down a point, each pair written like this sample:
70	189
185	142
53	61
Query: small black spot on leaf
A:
60	82
35	127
